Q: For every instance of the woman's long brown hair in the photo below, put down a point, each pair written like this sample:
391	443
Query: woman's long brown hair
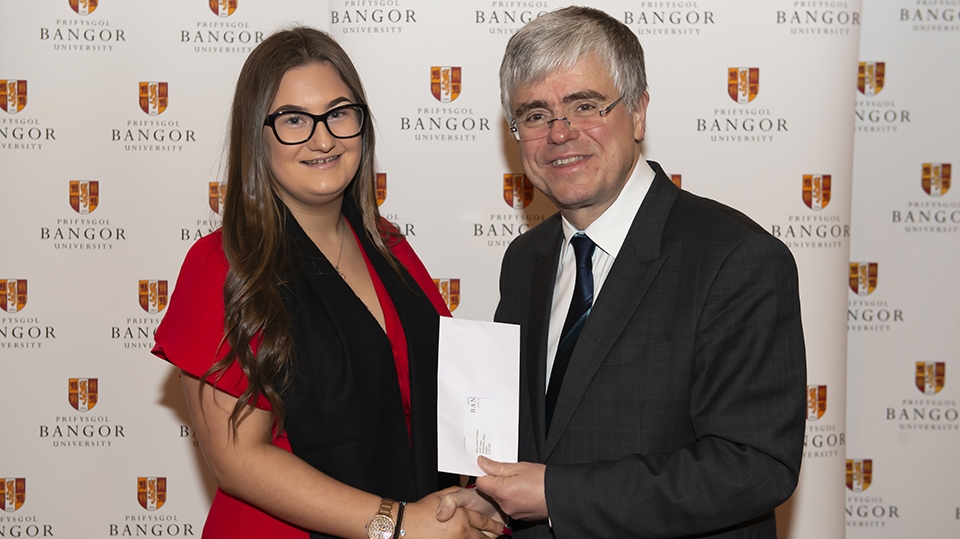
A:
254	240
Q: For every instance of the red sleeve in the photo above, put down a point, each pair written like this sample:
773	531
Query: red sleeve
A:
414	266
192	329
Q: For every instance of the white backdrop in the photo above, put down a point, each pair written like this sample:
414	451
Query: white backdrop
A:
85	274
903	427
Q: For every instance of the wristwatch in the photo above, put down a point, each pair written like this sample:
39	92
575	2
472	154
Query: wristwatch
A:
381	526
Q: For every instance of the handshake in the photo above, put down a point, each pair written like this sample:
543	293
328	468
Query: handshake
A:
508	490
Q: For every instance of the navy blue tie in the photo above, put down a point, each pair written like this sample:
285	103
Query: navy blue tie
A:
580	306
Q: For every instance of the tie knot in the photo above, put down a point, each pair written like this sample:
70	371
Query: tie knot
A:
583	250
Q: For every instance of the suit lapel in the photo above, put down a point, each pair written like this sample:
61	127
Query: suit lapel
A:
542	280
633	271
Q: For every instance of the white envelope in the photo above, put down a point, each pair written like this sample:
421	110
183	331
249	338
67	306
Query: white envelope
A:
478	394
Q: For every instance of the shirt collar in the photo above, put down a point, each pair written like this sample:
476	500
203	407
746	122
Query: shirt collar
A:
611	228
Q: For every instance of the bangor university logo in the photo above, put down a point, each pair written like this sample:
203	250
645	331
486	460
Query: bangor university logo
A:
930	376
84	196
445	83
153	296
153	97
859	474
151	492
743	83
450	290
816	191
381	187
863	277
13	492
13	95
517	191
816	402
83	393
936	179
870	78
13	294
84	7
223	8
217	190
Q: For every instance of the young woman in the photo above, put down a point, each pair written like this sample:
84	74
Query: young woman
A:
306	328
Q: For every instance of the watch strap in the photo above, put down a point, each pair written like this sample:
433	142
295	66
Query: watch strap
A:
386	507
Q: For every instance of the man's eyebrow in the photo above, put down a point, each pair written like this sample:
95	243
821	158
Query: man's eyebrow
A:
584	94
571	98
522	108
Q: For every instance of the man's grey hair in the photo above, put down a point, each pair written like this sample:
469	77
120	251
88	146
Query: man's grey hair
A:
557	40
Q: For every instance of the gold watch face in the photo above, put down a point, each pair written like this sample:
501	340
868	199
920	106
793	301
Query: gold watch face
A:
380	527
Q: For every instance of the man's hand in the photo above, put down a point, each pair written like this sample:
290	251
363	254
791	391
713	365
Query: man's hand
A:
517	488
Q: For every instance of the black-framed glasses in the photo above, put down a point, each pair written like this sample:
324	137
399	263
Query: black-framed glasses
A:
579	116
297	127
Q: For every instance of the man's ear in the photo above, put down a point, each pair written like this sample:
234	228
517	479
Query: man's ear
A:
640	116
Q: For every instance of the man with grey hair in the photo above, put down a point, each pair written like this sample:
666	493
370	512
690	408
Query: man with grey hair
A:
663	370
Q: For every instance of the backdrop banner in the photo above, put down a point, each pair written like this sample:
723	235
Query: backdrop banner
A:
112	132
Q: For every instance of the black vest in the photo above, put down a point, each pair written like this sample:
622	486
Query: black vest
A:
344	411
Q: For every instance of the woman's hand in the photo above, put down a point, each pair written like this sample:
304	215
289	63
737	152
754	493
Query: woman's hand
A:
421	519
468	498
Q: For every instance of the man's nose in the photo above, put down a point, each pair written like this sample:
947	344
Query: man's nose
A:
560	131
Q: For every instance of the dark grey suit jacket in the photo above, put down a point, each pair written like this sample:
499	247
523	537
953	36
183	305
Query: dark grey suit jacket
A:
682	411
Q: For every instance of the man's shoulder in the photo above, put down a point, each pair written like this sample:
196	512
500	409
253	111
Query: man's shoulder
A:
534	239
707	217
702	228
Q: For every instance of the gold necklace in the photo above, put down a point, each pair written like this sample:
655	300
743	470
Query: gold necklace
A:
340	254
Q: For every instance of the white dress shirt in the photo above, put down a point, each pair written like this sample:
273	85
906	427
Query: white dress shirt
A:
608	233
